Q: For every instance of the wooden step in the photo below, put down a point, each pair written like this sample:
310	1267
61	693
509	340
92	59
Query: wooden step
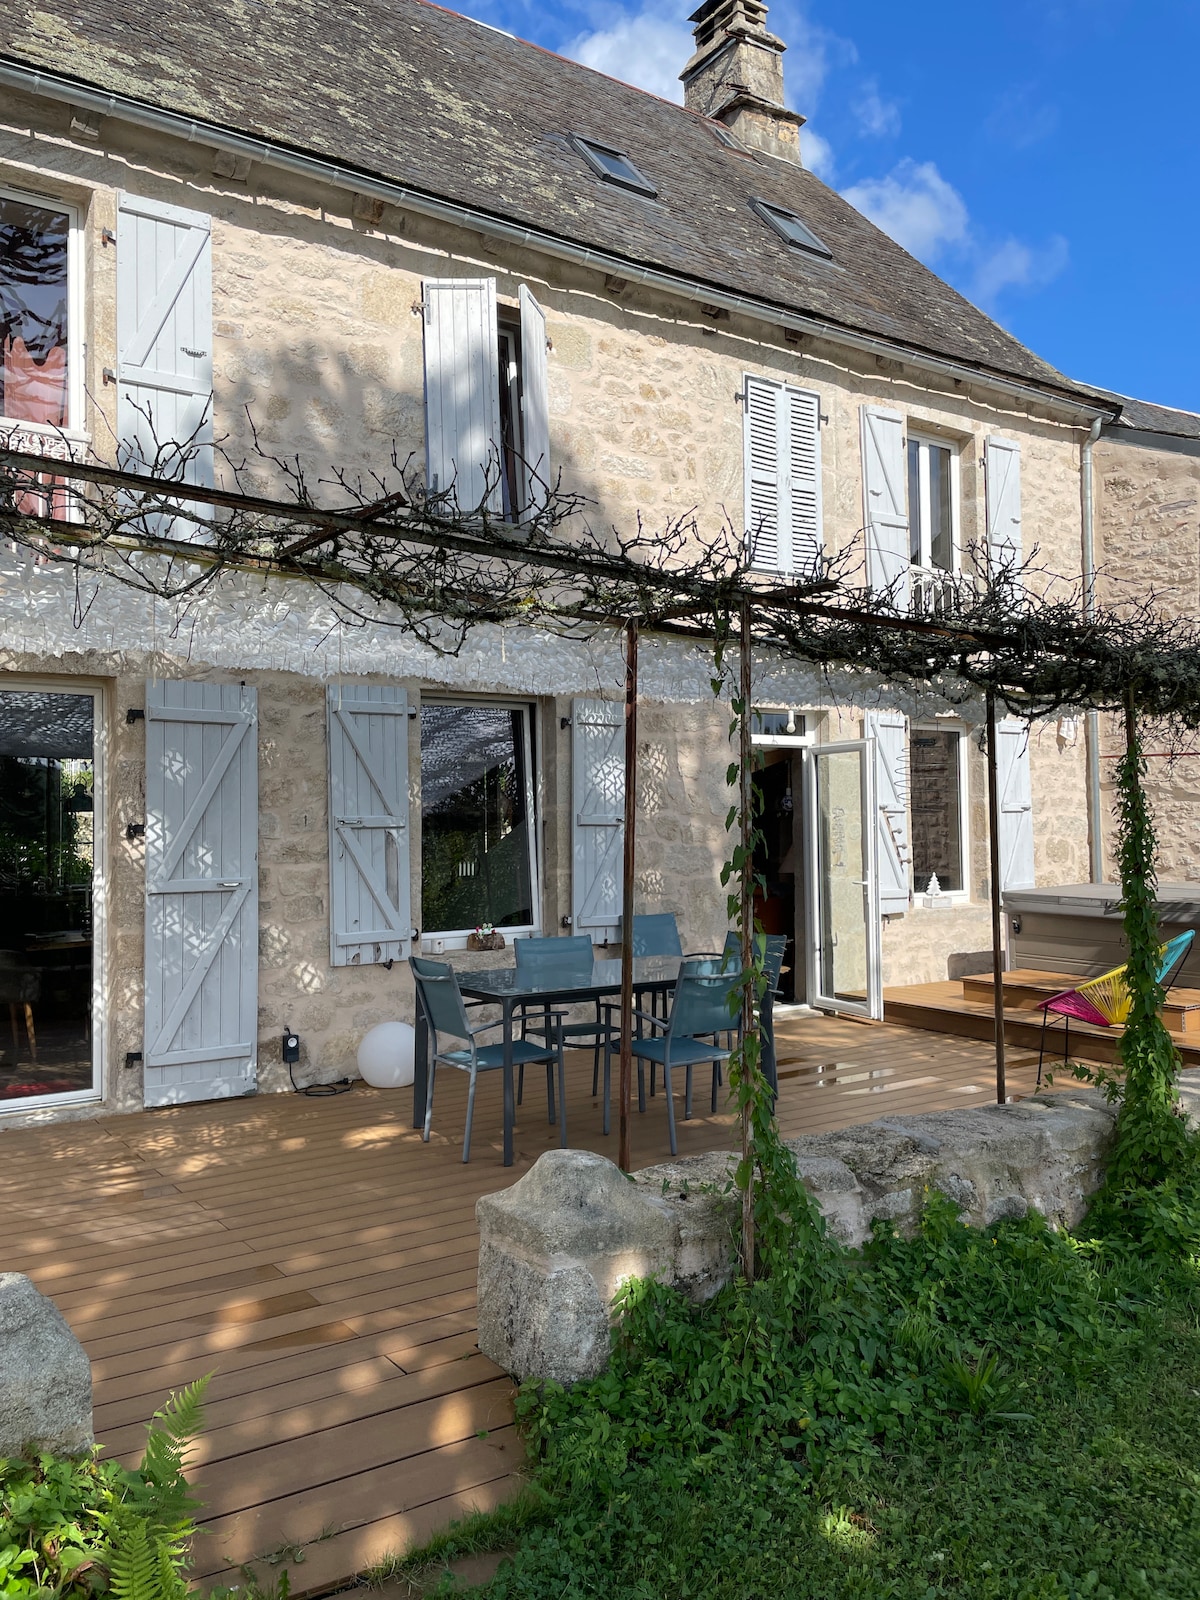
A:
942	1008
1025	989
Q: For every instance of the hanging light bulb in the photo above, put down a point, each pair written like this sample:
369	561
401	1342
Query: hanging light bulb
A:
787	804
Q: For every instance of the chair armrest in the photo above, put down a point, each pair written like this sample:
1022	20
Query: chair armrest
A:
646	1016
485	1027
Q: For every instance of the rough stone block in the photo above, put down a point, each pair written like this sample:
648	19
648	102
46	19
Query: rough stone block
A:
45	1377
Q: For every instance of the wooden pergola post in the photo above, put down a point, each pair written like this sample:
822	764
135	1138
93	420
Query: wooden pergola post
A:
994	884
625	1076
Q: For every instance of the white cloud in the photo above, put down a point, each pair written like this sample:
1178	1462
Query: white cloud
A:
916	205
877	118
816	154
647	48
1013	265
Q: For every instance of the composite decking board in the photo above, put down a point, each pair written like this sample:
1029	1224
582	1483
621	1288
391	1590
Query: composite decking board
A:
445	1475
311	1408
201	1216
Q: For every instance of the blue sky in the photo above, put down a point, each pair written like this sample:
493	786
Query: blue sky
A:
1042	155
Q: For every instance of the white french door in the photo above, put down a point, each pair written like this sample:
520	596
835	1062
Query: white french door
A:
844	958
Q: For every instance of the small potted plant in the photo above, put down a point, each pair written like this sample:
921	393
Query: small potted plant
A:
485	937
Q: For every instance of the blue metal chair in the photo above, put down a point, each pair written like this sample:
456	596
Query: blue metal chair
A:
700	1013
656	934
776	945
556	963
441	1000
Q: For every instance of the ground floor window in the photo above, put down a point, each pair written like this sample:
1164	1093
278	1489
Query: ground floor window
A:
478	860
47	887
936	802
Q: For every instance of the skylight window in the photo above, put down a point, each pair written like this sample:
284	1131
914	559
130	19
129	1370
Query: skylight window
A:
789	226
613	166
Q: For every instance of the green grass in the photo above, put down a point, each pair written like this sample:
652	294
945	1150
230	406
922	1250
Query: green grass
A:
1006	1413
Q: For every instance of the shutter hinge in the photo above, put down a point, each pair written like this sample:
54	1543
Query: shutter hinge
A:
134	714
133	1058
135	830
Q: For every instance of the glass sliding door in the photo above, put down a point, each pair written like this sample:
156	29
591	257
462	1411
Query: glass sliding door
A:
48	846
844	950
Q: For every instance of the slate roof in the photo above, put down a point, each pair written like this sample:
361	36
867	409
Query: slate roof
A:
1147	417
411	93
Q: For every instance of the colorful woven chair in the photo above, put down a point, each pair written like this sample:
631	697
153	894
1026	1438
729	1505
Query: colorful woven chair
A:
1105	1001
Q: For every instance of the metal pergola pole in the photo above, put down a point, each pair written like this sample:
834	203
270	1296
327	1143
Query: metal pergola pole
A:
746	804
994	884
625	1077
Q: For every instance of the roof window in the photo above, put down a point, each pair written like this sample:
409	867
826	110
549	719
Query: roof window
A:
789	226
613	166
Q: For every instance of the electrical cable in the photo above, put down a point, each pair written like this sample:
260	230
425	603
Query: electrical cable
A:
320	1091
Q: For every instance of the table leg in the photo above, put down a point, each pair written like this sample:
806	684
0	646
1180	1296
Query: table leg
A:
509	1107
420	1069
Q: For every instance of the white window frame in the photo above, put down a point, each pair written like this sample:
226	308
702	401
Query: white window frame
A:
81	686
781	741
76	344
439	941
924	562
946	725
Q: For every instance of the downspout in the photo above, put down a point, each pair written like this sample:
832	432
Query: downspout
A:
1087	503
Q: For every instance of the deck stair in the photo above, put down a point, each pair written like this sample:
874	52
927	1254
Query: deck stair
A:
964	1006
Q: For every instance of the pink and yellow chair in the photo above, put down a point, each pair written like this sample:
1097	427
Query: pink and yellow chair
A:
1105	1001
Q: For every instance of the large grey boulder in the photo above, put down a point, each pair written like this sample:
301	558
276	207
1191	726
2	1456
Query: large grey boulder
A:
554	1250
45	1376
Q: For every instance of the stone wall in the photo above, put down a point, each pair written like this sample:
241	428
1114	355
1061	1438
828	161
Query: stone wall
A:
1148	540
556	1246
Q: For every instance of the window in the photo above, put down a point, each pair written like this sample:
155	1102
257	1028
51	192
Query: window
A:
782	464
37	332
789	226
613	166
932	504
778	729
48	874
937	799
487	420
478	859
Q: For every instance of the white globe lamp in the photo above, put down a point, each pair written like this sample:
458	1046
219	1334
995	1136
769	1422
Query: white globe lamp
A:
385	1056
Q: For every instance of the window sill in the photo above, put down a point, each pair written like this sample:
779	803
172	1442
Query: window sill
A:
437	944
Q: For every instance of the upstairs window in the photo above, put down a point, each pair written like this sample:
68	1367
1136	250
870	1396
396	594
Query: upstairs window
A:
932	505
613	166
487	424
37	360
790	227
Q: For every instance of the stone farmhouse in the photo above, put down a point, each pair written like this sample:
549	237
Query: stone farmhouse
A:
353	229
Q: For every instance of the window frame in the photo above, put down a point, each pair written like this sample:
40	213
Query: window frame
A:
76	344
438	941
955	726
512	399
17	682
637	184
775	216
924	442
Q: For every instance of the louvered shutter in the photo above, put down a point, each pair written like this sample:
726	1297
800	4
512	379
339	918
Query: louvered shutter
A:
369	884
782	462
164	345
535	402
462	391
885	504
201	1019
1015	792
1002	478
889	729
598	816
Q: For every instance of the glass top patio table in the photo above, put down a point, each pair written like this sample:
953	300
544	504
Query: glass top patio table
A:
505	987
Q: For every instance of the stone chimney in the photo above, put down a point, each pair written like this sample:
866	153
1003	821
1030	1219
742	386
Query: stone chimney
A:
736	76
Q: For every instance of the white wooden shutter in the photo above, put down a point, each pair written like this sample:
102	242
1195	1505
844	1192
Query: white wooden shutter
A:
598	816
164	345
782	461
369	888
889	729
535	402
201	1024
1016	804
462	390
885	504
1002	478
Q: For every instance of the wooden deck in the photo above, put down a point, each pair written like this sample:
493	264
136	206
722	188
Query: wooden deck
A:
321	1262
